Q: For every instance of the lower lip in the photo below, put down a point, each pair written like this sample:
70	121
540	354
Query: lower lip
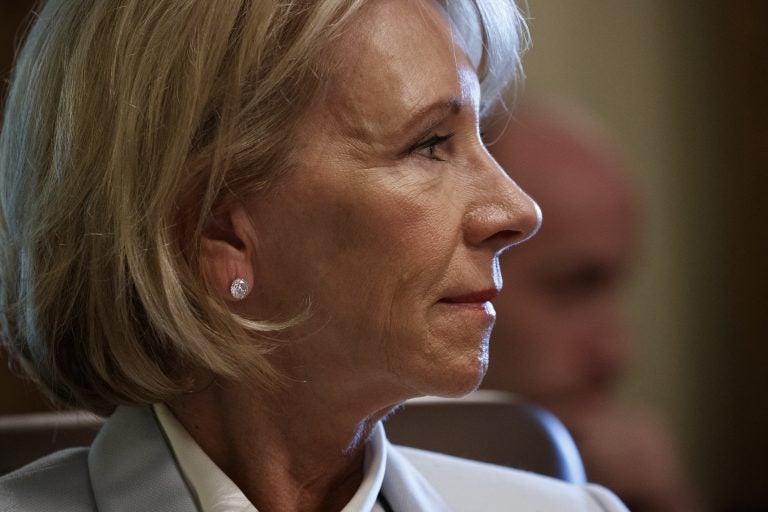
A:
485	308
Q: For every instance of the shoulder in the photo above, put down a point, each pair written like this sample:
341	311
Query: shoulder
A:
472	485
58	482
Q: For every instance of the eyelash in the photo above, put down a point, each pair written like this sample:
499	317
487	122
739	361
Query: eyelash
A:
430	144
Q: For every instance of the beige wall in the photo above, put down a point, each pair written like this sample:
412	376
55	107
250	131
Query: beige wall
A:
644	68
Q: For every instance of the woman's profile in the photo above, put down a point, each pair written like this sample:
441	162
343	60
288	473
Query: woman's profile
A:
249	230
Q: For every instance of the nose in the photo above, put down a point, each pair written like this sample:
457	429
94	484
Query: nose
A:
502	214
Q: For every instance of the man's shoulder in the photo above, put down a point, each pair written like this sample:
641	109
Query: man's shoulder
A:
473	485
58	481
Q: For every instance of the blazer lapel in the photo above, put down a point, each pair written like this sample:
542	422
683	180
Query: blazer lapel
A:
132	468
405	488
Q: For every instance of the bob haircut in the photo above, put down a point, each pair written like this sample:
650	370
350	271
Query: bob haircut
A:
126	125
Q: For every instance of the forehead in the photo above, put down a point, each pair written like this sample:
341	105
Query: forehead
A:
397	57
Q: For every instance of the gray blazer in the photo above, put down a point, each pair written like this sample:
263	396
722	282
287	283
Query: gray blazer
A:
129	467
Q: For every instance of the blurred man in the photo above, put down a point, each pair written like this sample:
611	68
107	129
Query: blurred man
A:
560	337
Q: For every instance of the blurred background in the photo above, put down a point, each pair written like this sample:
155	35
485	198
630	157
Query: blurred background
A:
684	87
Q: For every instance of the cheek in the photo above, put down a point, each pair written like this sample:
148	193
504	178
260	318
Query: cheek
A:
396	254
370	254
397	238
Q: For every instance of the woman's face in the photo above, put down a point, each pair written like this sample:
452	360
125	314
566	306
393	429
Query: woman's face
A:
391	223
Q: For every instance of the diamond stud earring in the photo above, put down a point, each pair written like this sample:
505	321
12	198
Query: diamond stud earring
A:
239	288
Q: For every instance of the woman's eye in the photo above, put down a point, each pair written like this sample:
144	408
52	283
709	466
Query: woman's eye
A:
430	148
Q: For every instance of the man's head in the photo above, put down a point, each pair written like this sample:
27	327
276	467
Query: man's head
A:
560	338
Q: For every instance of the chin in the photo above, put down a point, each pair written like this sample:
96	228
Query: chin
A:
459	379
453	368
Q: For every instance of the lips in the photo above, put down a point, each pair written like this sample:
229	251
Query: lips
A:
477	297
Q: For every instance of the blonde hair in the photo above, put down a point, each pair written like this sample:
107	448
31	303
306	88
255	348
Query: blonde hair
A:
126	124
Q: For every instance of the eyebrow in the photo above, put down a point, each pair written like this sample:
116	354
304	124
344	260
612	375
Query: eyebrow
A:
426	118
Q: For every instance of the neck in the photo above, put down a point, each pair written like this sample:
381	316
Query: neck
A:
288	450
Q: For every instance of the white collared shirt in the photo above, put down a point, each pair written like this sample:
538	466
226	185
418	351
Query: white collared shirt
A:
215	492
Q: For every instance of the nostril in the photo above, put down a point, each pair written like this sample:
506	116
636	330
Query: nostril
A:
505	239
500	226
527	221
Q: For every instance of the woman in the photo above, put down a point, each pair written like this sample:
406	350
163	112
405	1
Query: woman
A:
273	221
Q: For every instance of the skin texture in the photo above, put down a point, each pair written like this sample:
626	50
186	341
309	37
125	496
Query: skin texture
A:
386	236
560	338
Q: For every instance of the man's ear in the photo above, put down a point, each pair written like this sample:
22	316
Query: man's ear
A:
226	250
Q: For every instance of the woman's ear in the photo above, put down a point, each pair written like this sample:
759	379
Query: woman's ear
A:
226	250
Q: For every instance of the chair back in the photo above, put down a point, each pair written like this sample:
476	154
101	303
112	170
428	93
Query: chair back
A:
26	437
489	426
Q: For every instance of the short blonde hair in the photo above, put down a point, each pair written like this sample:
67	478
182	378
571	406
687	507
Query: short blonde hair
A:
126	124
